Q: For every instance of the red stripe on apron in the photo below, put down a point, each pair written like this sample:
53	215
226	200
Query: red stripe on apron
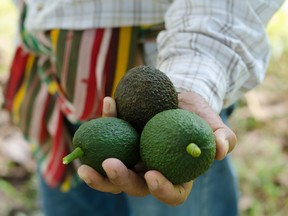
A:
91	82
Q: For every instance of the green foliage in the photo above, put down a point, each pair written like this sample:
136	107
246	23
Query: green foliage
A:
278	32
22	196
251	123
259	172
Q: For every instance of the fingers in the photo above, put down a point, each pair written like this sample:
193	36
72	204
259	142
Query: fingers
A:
109	107
226	139
96	180
165	191
119	179
125	179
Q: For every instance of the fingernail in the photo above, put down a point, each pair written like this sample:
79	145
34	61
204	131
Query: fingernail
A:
225	143
106	106
153	185
112	174
85	178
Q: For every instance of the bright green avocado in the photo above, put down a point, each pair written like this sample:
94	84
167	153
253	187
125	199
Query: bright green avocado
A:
179	144
102	138
142	93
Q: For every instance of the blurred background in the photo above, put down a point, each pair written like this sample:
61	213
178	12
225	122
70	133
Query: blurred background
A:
260	122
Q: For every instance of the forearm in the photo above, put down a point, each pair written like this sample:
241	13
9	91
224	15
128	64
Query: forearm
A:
215	48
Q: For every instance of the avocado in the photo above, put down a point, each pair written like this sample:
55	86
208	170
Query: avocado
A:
179	144
143	92
102	138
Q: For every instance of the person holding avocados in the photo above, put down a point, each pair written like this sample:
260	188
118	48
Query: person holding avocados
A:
71	57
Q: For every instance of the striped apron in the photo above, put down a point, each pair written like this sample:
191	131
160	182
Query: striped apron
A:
59	78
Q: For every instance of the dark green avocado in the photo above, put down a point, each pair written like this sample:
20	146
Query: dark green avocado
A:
142	93
102	138
179	144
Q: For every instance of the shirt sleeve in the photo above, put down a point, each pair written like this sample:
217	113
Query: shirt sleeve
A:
216	48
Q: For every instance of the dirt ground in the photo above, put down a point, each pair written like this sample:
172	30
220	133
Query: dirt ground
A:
261	124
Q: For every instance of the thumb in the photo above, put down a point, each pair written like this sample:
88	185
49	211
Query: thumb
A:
225	142
109	107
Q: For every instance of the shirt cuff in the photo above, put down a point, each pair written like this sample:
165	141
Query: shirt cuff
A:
200	75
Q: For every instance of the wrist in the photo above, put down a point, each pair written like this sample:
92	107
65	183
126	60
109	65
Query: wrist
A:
199	75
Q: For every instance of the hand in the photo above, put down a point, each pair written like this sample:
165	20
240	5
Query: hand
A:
134	182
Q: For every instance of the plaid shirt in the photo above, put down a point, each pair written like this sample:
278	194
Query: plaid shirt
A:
216	48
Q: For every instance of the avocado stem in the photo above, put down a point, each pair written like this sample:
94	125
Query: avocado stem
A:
77	153
193	150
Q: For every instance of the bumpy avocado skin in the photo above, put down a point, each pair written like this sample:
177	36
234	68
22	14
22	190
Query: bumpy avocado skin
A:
107	137
164	140
142	93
